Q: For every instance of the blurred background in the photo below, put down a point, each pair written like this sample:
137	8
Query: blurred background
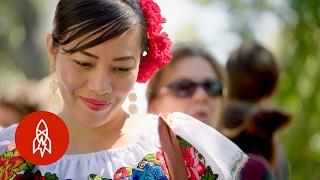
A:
290	29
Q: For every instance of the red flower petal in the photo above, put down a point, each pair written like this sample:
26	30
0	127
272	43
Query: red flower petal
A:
159	43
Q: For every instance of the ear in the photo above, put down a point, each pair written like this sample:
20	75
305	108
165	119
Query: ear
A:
52	52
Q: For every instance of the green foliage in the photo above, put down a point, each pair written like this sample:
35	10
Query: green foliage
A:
204	2
18	37
300	93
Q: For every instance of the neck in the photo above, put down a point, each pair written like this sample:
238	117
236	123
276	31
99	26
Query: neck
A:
84	139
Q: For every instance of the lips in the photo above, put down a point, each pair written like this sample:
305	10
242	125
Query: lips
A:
95	105
201	115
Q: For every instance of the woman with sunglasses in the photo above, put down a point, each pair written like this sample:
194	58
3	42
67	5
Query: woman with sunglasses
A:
191	83
98	50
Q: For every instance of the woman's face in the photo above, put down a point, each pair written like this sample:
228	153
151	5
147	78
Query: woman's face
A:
199	104
95	82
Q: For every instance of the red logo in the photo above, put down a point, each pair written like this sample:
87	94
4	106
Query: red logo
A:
42	138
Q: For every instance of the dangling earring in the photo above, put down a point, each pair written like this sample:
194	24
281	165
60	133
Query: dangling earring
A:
133	108
53	86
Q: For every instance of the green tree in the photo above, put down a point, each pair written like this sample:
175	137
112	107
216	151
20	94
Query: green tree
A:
19	49
299	90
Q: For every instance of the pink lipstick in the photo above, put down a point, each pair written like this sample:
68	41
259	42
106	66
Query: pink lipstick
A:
96	105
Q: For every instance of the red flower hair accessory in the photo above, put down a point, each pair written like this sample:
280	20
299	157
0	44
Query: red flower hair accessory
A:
159	44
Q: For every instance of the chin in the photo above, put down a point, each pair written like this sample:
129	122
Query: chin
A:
92	121
202	119
89	118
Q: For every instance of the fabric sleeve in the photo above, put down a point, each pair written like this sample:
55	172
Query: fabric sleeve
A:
7	137
221	154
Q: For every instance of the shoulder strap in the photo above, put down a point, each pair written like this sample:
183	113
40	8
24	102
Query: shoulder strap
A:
171	149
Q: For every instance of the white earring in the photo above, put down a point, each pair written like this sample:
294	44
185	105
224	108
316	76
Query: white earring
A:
133	108
53	86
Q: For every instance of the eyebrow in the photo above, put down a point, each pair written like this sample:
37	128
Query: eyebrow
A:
124	58
89	54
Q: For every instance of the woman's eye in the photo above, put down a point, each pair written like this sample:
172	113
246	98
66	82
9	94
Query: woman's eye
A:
122	69
83	63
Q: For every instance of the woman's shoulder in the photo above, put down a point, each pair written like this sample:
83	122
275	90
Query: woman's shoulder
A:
8	133
257	168
7	137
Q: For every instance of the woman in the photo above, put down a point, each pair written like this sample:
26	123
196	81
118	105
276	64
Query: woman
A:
99	49
191	83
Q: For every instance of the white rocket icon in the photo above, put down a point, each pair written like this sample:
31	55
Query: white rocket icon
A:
41	142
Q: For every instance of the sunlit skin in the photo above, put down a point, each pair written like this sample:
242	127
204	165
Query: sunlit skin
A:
200	105
94	83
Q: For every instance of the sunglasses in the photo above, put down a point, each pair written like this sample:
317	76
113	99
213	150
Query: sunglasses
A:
186	88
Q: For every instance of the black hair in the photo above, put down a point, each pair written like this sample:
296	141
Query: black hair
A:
105	19
253	73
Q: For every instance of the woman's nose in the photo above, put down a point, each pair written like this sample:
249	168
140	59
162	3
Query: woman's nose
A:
200	95
100	83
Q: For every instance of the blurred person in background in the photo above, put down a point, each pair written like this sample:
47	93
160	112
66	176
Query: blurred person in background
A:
191	83
17	103
247	118
252	72
252	128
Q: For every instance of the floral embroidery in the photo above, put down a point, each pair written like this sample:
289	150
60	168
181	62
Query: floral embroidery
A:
195	162
14	167
36	176
96	177
122	173
149	172
11	163
152	166
162	163
194	166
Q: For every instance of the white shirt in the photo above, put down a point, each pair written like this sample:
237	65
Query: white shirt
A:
220	154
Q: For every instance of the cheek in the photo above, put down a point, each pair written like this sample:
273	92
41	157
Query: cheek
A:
171	104
215	103
68	78
122	86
